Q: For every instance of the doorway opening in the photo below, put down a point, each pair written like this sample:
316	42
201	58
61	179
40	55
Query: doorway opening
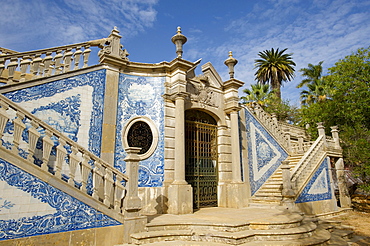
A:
201	157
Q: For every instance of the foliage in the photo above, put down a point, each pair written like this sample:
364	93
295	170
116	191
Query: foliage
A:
318	90
266	98
311	74
349	109
258	93
274	67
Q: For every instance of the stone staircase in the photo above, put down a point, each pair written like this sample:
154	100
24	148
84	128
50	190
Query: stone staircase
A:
270	192
250	226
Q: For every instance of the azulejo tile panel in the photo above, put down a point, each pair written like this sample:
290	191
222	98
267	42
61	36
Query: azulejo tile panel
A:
73	106
264	153
30	207
319	187
141	97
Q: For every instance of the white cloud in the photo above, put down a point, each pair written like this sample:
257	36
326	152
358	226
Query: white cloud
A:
328	30
70	21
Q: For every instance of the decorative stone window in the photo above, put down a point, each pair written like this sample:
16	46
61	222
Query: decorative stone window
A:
141	132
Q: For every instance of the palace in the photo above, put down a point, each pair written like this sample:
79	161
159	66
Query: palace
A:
91	152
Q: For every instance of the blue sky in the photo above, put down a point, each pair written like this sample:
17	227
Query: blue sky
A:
313	30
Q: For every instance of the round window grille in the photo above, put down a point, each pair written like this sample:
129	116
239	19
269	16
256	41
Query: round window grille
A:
140	135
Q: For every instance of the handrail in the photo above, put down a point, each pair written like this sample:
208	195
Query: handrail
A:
271	124
45	148
307	163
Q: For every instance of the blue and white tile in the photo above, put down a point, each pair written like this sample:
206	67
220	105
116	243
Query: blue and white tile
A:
142	96
319	187
73	105
264	153
31	207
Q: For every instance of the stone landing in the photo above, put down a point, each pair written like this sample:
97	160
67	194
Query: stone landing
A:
225	226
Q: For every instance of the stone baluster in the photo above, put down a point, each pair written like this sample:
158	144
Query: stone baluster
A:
11	68
287	138
61	154
86	54
274	118
47	62
36	65
74	160
85	171
97	179
2	65
25	64
67	60
77	57
108	186
33	137
47	144
4	118
118	193
300	144
19	126
335	135
58	62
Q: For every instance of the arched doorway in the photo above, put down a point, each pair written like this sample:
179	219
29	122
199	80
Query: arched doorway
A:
201	157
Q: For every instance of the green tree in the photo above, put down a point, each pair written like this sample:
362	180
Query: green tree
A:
318	91
349	109
258	93
311	74
274	67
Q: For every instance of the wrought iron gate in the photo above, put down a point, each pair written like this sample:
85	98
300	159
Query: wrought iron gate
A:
201	161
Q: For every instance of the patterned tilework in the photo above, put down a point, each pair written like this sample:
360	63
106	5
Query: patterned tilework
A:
73	106
30	207
319	186
142	96
264	153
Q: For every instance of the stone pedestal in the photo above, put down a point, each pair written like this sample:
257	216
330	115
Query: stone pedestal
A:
181	201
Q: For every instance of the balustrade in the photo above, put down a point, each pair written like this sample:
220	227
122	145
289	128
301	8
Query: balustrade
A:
19	67
43	147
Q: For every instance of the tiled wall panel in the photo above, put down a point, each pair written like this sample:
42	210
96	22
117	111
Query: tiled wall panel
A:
73	106
264	153
30	207
142	96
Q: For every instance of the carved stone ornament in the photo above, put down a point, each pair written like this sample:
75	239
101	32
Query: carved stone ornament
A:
202	92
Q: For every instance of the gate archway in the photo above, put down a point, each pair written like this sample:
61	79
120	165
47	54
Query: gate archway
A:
201	157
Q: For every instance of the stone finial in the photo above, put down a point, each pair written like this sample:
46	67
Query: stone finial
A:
230	63
179	40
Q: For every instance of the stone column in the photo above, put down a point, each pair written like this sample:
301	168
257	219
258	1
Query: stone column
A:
180	192
237	195
132	204
235	147
344	197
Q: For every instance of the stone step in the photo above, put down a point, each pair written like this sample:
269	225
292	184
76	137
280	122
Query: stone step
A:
235	238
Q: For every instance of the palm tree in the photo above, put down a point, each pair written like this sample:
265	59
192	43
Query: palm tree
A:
318	91
259	93
274	67
312	73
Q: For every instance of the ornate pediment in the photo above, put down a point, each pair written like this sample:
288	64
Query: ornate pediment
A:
200	91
